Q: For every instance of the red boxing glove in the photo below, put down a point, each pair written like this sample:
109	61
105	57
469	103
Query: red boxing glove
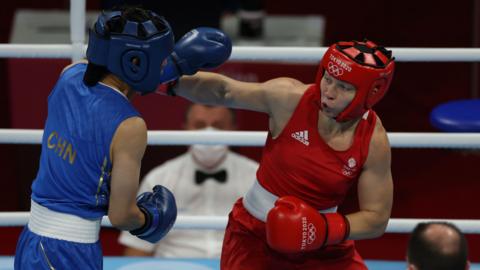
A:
293	226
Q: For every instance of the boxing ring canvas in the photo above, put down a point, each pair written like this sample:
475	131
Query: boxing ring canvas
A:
122	263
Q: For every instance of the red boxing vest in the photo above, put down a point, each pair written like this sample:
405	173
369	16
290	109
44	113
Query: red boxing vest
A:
300	163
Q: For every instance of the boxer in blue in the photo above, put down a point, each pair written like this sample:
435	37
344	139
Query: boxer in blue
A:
94	141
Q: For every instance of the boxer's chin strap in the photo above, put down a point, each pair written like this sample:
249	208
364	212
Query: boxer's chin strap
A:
167	88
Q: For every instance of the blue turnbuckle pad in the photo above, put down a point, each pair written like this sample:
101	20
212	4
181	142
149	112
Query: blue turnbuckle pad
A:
457	116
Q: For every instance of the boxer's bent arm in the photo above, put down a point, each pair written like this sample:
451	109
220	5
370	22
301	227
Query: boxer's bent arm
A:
127	149
215	89
375	190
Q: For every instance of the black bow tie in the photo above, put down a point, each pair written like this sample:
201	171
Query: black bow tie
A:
220	176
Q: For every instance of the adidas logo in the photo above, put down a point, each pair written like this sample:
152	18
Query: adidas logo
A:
301	136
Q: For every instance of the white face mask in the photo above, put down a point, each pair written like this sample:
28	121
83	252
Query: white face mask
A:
208	156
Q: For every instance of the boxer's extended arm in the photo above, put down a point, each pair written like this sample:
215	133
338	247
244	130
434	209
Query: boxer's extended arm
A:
209	48
215	89
127	149
375	190
277	97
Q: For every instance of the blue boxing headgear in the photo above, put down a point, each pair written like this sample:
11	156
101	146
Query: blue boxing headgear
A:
134	59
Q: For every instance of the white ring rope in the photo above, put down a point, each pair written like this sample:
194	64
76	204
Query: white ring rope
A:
302	55
395	225
257	138
37	51
77	29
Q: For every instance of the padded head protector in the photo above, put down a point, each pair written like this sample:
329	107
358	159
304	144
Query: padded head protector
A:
366	66
136	54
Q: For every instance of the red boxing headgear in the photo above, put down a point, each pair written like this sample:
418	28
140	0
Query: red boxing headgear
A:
366	66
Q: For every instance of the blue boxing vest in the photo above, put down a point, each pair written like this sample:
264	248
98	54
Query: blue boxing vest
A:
75	165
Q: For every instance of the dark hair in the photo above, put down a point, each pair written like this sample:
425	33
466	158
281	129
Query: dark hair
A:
428	255
95	73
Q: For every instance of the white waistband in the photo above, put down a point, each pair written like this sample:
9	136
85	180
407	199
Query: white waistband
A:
48	223
258	201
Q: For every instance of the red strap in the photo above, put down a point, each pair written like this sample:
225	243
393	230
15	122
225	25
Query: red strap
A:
338	228
167	88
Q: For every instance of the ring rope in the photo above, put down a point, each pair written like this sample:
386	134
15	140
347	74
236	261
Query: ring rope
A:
302	55
395	225
257	138
77	28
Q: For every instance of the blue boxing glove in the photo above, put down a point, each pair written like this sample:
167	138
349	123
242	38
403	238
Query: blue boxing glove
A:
160	212
202	47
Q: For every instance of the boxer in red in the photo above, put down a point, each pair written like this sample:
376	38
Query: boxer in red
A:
323	138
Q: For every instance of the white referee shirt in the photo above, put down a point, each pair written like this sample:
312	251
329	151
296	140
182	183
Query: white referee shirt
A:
209	198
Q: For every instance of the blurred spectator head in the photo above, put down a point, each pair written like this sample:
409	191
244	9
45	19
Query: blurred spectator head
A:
437	246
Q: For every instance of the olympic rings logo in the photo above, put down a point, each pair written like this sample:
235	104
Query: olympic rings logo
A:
334	69
311	233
